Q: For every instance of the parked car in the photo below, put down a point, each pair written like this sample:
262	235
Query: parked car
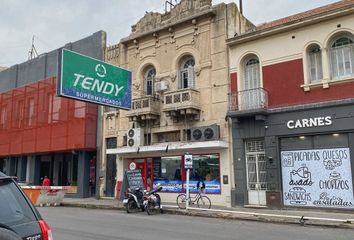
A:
19	219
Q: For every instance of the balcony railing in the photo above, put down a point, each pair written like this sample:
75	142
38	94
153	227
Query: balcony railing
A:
149	106
251	99
181	99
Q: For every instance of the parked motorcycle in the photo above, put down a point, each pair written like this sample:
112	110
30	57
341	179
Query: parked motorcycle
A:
152	201
134	200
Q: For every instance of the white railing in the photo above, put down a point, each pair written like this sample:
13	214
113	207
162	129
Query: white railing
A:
250	99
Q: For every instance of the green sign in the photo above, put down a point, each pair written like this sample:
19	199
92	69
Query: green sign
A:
87	79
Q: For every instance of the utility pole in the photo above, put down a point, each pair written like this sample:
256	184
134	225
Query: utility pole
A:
32	53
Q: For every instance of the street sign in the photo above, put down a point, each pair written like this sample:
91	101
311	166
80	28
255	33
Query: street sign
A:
188	161
87	79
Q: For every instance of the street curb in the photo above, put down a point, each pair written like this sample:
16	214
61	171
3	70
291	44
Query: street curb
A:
225	215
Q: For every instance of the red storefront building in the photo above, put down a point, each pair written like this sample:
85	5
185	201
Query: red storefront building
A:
45	135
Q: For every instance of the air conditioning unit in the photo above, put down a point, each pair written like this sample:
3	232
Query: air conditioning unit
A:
207	133
135	137
161	86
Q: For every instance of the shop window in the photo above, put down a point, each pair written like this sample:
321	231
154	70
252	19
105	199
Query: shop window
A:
186	73
206	168
335	140
342	57
296	143
167	173
170	168
314	63
324	141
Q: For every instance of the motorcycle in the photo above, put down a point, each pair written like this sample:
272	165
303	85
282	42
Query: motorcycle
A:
152	201
134	200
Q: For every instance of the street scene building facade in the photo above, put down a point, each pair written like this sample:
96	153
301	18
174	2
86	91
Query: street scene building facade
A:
180	81
42	134
291	106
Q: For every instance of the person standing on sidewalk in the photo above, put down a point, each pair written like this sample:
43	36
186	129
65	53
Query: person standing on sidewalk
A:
46	181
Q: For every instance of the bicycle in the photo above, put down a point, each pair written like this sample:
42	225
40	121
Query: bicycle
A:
202	200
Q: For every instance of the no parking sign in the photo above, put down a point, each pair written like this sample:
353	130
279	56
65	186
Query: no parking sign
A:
188	161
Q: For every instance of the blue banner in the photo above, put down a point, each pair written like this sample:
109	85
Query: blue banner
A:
175	186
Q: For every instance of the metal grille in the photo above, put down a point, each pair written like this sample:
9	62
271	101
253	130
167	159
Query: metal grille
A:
111	143
186	97
168	99
256	165
137	105
176	98
255	146
145	103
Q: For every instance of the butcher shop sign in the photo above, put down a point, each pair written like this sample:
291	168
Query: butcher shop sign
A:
309	122
317	178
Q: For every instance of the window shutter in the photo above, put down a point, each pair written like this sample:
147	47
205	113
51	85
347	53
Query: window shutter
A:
191	83
179	79
334	63
152	87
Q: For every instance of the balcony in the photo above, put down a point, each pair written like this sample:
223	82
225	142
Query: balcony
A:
145	108
249	102
182	103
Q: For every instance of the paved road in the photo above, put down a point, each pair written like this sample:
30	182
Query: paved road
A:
86	224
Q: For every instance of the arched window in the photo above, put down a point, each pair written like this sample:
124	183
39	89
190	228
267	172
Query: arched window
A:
251	96
314	57
342	57
149	80
251	73
186	73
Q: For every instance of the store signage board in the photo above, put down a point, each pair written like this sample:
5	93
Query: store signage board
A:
188	161
309	122
91	80
132	179
317	178
135	179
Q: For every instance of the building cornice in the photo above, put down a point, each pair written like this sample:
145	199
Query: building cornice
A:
262	33
166	27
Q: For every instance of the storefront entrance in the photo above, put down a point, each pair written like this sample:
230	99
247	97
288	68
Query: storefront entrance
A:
111	173
256	172
146	167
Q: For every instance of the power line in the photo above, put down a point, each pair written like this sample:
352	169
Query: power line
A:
44	42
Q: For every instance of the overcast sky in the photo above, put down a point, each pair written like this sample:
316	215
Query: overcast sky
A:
57	22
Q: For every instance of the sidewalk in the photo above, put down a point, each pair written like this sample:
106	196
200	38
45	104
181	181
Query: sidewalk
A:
303	217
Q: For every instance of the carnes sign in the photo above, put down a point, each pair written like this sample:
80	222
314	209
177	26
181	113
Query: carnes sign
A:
91	80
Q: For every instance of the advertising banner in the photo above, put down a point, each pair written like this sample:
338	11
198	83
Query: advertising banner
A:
87	79
317	178
176	186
